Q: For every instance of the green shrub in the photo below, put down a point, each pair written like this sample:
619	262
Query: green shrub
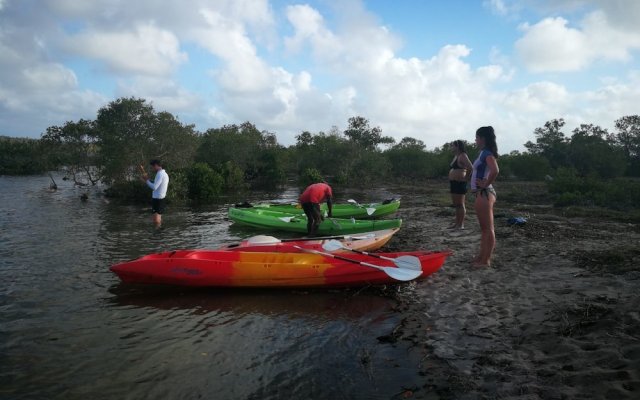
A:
233	177
567	199
527	167
568	188
178	186
204	184
309	176
341	178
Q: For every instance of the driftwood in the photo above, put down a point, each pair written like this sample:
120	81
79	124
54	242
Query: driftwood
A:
53	185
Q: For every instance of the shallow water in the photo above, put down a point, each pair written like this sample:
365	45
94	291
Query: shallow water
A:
69	329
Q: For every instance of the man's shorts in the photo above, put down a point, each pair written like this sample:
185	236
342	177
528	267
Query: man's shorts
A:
158	206
312	211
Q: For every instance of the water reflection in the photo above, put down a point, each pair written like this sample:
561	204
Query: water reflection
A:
69	329
336	304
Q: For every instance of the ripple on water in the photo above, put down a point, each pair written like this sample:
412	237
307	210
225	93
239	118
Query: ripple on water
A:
69	329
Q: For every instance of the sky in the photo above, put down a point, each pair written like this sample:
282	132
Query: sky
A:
428	69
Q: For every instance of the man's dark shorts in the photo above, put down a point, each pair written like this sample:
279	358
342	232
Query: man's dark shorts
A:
312	210
158	206
458	187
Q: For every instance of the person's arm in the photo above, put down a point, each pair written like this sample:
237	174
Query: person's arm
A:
466	162
492	164
329	207
156	182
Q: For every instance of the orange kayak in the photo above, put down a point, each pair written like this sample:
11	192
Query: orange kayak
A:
368	241
292	267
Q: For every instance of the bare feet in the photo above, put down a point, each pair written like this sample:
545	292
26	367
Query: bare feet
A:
480	265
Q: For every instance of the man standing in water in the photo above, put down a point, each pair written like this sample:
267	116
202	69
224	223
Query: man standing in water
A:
310	200
159	186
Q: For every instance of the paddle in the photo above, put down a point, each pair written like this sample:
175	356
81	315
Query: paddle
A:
265	239
400	274
370	210
408	262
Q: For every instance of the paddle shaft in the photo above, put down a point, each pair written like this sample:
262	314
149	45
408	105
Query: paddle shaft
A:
341	258
323	238
368	254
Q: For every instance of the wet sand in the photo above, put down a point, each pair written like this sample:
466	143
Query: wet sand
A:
556	316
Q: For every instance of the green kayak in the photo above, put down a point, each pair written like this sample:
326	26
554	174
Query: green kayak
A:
348	210
273	220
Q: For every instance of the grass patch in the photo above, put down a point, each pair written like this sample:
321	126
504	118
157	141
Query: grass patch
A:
616	261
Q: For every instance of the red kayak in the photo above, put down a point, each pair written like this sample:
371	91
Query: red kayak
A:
289	267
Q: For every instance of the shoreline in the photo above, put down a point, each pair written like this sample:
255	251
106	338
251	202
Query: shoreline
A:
555	316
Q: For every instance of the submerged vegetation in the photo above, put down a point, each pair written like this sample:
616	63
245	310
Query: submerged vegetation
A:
591	167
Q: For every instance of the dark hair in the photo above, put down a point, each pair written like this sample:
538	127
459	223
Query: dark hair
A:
489	136
155	162
460	145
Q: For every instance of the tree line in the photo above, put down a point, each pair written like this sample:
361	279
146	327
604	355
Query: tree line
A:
203	165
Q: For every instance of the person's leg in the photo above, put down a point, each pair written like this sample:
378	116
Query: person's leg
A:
461	211
458	203
317	218
308	211
484	211
157	208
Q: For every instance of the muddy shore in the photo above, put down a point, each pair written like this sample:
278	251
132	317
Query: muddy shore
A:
557	315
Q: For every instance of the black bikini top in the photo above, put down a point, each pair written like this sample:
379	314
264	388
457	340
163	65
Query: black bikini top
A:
454	164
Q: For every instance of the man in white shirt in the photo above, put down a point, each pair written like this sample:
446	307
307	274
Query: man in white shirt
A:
159	186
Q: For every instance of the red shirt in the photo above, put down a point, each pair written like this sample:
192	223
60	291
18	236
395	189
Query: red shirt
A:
316	193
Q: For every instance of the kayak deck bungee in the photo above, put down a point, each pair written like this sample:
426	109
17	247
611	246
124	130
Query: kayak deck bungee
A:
293	268
273	220
348	210
367	241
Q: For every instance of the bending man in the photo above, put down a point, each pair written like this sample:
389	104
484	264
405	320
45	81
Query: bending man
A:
310	200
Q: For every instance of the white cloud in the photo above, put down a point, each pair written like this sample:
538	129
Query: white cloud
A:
545	98
423	98
163	93
145	49
551	45
49	77
612	100
346	64
497	6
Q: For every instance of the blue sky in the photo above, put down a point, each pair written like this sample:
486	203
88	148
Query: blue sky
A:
432	70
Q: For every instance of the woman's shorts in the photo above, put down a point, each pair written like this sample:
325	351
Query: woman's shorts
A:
458	187
157	206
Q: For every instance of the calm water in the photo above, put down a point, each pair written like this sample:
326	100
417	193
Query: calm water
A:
69	329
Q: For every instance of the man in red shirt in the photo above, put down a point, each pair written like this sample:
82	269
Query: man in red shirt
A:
310	200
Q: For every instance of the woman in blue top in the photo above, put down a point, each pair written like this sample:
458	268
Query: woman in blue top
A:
485	171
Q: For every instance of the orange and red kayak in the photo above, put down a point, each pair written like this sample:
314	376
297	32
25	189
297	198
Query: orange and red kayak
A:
290	267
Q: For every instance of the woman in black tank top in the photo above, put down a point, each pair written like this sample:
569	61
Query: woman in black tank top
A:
460	166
